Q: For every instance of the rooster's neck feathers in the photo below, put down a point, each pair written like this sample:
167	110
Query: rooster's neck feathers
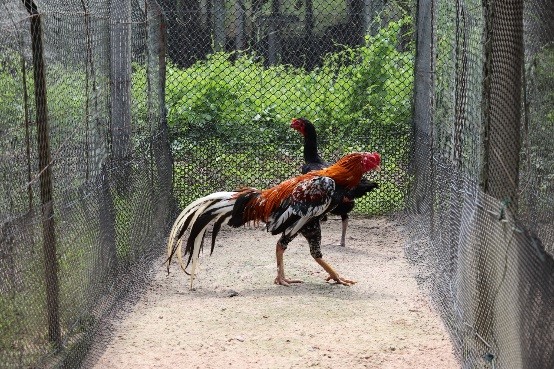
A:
346	172
310	145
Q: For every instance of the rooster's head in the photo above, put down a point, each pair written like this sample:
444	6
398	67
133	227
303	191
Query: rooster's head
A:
371	161
302	125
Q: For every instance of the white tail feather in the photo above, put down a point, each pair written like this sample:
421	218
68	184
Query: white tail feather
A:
197	213
220	206
223	205
195	256
192	207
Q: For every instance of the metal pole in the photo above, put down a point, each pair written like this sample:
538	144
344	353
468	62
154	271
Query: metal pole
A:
423	92
48	230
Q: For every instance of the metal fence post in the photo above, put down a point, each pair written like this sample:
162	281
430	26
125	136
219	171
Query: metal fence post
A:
48	229
422	123
502	97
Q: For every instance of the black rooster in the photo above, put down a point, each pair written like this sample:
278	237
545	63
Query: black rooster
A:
312	161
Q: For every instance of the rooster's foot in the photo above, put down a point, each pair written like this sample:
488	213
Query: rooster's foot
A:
285	281
340	280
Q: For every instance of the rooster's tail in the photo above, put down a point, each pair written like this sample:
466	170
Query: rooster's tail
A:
197	216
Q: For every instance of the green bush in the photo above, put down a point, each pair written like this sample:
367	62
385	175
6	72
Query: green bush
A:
236	97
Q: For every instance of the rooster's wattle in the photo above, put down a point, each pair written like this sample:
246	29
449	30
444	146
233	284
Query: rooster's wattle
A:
291	207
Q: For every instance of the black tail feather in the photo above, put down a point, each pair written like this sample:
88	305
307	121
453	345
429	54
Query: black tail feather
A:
176	244
198	226
215	231
237	217
198	215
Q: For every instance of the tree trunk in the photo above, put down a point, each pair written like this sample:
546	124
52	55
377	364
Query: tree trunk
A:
421	196
219	25
273	41
239	25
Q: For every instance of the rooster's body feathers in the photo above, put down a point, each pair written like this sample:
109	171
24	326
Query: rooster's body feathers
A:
309	199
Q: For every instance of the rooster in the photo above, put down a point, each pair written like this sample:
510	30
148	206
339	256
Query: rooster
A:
312	161
291	207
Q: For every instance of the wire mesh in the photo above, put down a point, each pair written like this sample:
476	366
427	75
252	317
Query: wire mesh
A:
146	111
479	202
96	93
230	101
80	211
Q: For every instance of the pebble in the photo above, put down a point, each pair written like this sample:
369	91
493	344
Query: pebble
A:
233	293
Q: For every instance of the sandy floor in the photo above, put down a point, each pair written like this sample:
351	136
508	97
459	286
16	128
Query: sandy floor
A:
237	318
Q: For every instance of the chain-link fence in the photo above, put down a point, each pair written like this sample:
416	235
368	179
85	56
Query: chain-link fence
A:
114	114
481	200
85	167
85	145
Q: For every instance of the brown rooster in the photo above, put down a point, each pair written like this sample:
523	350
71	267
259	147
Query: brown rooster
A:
291	207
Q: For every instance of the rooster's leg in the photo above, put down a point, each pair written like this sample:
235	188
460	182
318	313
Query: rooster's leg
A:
344	227
281	279
312	233
333	275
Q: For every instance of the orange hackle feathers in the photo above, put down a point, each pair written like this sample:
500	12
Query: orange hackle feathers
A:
347	172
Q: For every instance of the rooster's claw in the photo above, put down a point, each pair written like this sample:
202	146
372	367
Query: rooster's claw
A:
282	281
340	280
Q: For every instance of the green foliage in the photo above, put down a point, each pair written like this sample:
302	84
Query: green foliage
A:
375	83
236	97
133	215
11	106
538	150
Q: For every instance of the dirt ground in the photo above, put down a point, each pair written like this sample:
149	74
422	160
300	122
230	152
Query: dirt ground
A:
237	318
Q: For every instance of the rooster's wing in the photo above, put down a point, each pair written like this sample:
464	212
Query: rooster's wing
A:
309	199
